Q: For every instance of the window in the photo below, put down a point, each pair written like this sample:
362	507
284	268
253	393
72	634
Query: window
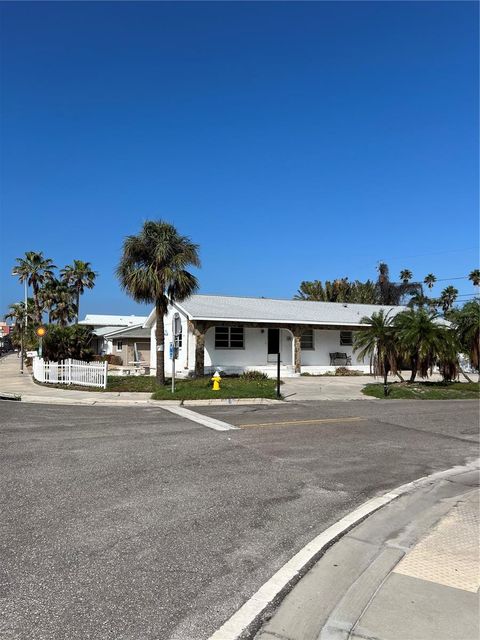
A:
119	345
306	340
229	338
346	338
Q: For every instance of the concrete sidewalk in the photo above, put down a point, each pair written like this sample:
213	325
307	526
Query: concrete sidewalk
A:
408	572
12	383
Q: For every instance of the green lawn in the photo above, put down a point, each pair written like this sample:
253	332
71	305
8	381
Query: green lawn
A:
185	389
425	391
201	389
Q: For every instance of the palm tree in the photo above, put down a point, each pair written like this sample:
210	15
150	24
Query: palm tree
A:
420	339
47	296
35	270
377	342
58	299
430	280
474	277
405	276
448	297
392	293
152	269
418	300
310	290
466	322
63	308
80	276
16	311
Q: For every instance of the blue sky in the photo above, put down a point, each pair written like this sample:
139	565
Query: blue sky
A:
292	141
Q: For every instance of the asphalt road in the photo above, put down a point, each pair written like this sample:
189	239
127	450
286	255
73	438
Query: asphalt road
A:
135	524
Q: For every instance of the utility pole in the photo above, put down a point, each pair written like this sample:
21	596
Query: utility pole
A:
21	347
26	302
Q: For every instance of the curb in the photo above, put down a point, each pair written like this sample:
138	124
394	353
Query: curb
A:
10	396
272	592
112	402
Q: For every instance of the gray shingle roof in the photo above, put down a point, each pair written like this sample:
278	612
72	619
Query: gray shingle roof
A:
112	321
207	307
130	332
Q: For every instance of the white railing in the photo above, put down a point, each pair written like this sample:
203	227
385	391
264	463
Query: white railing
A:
85	374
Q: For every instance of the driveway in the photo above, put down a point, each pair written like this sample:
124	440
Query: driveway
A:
325	388
135	524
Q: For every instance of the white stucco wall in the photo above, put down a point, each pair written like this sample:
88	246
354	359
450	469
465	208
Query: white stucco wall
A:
252	356
254	353
326	342
186	354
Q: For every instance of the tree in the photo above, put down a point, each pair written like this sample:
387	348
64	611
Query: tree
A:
62	342
418	300
35	270
420	339
405	276
47	296
310	290
448	297
79	276
466	323
340	290
16	312
430	280
152	269
63	308
377	342
392	293
474	277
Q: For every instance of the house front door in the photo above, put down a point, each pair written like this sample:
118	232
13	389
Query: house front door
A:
273	344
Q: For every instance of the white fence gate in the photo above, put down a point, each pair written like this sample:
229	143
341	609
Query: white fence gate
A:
85	374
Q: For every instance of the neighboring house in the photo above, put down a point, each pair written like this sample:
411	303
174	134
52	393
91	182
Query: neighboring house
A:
131	345
4	329
103	324
240	334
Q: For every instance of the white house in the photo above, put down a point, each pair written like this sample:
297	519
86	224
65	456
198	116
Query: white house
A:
102	325
235	334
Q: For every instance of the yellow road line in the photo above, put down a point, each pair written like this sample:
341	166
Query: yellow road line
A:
319	420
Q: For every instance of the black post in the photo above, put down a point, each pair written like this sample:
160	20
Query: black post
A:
278	375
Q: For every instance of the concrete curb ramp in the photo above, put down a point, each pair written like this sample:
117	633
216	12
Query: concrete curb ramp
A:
300	619
10	396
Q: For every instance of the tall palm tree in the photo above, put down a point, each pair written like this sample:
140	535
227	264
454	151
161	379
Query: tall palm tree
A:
47	296
448	297
392	293
79	276
153	269
466	322
35	269
474	277
377	342
406	275
16	311
63	307
430	280
420	339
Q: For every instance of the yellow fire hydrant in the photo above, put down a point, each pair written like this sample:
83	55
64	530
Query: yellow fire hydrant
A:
216	381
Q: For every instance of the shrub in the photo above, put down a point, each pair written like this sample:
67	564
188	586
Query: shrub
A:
343	371
73	341
254	375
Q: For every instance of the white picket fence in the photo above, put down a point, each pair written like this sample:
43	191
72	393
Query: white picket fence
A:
85	374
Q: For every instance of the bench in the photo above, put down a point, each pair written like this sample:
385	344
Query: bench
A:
339	358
